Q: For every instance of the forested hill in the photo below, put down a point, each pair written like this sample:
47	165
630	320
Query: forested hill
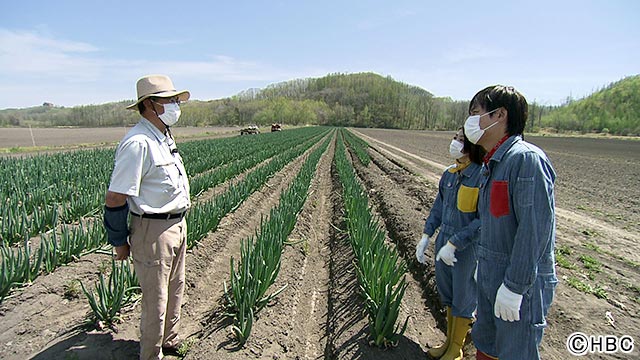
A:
362	99
614	109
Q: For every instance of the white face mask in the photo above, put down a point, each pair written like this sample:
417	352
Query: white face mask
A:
455	149
171	114
472	127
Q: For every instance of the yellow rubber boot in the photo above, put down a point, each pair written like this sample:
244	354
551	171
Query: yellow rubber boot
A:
438	351
461	327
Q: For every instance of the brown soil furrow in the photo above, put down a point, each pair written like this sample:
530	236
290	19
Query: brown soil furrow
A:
310	299
202	313
406	156
626	243
293	323
346	318
403	214
25	322
350	338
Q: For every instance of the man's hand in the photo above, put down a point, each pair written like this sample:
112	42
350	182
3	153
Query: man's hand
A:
447	254
122	252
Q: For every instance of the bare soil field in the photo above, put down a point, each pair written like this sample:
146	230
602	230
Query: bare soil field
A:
75	137
320	314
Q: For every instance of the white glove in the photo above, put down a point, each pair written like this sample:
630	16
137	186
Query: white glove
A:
421	247
507	304
447	254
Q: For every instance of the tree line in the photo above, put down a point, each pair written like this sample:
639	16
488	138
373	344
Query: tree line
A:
358	100
614	109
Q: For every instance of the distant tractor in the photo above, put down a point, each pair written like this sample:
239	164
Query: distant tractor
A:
251	129
276	127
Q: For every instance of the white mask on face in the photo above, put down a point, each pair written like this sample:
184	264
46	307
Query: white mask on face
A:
171	114
455	149
472	127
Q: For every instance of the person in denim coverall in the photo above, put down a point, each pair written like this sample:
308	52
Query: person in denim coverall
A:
455	213
516	265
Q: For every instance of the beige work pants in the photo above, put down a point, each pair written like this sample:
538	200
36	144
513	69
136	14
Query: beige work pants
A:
159	248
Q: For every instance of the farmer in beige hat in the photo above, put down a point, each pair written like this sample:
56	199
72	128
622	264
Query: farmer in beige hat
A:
149	182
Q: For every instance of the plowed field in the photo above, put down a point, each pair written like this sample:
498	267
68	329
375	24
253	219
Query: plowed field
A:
320	314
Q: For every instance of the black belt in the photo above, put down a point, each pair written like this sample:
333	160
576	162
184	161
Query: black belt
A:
165	216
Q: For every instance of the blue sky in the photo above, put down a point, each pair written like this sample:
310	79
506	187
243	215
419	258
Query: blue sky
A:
91	52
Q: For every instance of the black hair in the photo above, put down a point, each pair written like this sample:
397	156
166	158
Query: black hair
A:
142	107
497	96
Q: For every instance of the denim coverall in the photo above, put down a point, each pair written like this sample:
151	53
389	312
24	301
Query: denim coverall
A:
455	212
517	211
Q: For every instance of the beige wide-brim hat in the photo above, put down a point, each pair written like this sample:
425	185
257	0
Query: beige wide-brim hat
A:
157	86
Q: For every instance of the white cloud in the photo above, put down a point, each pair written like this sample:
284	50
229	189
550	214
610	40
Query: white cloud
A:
16	40
28	54
225	68
36	68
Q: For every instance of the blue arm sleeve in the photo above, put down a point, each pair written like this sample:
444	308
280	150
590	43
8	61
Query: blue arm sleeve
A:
115	222
534	207
435	215
465	237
